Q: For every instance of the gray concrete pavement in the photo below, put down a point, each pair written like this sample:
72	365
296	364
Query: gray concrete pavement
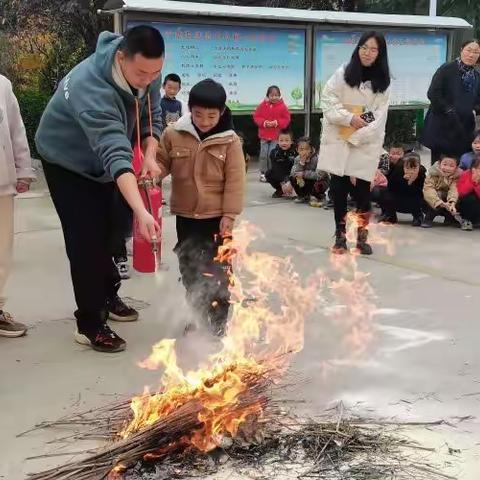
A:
423	365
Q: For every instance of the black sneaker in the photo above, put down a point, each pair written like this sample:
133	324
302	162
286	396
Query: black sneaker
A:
277	194
121	312
122	266
427	222
364	248
417	221
388	220
340	246
328	205
104	340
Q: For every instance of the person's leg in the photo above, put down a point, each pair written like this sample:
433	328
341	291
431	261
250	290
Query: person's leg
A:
273	181
271	146
435	156
361	194
412	205
388	204
8	327
469	208
339	190
84	209
205	279
121	230
263	156
299	189
430	214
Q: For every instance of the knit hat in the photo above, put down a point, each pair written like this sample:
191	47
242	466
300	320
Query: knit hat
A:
208	94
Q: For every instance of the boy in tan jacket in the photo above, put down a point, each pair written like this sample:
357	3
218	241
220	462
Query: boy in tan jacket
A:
205	159
440	191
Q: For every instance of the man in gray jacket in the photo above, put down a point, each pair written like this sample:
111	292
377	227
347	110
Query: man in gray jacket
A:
85	139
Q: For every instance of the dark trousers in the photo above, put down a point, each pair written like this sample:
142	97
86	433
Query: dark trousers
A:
275	178
340	188
205	279
85	210
317	188
392	203
435	155
469	207
122	218
431	213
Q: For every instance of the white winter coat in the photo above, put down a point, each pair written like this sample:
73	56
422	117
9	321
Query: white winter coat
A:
15	160
357	156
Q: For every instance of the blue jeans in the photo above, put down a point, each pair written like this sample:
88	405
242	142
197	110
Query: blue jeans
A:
266	146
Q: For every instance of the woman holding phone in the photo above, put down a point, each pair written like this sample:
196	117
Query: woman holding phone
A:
355	104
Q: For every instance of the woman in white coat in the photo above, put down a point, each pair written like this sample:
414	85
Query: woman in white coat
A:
15	176
355	106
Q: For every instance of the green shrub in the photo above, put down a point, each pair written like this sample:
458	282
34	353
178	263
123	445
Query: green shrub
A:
32	104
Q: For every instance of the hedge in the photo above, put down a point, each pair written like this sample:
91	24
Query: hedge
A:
32	104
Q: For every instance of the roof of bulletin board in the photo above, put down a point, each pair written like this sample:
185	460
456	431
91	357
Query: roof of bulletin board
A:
283	14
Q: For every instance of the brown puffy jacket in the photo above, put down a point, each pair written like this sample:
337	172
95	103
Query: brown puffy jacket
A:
208	177
438	188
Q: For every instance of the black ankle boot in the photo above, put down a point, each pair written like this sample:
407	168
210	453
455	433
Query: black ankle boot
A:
340	246
362	246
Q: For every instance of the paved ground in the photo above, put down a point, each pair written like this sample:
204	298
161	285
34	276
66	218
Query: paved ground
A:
423	365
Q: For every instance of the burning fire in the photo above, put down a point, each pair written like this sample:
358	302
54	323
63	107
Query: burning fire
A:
262	336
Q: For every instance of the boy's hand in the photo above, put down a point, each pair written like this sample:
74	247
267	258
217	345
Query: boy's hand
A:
226	226
452	208
287	188
476	175
23	185
300	174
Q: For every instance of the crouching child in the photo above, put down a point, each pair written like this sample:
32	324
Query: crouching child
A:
309	183
204	156
440	191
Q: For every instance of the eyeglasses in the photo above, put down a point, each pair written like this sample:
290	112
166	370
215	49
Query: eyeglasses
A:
365	48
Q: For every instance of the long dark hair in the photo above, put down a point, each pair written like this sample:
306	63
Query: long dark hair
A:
380	70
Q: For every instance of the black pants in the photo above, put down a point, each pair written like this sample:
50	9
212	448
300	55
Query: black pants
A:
276	176
317	188
122	219
392	203
340	188
435	155
469	207
431	213
205	279
85	210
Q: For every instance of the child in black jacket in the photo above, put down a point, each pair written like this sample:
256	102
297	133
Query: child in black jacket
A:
404	193
282	158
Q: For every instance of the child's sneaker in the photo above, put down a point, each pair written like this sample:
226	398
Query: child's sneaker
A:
466	225
263	179
315	202
417	221
301	200
277	194
328	205
103	340
123	267
428	221
119	311
10	328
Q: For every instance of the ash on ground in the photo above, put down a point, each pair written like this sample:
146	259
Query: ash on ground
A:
324	451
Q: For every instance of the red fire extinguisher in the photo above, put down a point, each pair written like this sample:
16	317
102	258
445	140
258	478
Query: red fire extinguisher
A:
146	254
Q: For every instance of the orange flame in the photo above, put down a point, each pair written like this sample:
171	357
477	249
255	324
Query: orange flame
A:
270	307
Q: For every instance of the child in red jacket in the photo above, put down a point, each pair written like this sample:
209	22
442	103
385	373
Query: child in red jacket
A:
468	187
271	116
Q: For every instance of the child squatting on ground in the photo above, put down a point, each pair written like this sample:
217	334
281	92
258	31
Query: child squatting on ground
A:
282	159
404	192
309	183
205	159
468	187
440	191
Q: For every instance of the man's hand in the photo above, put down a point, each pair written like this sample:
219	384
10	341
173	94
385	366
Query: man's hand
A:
226	226
357	122
23	185
148	227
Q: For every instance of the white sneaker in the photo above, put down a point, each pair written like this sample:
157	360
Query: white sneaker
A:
263	178
123	268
